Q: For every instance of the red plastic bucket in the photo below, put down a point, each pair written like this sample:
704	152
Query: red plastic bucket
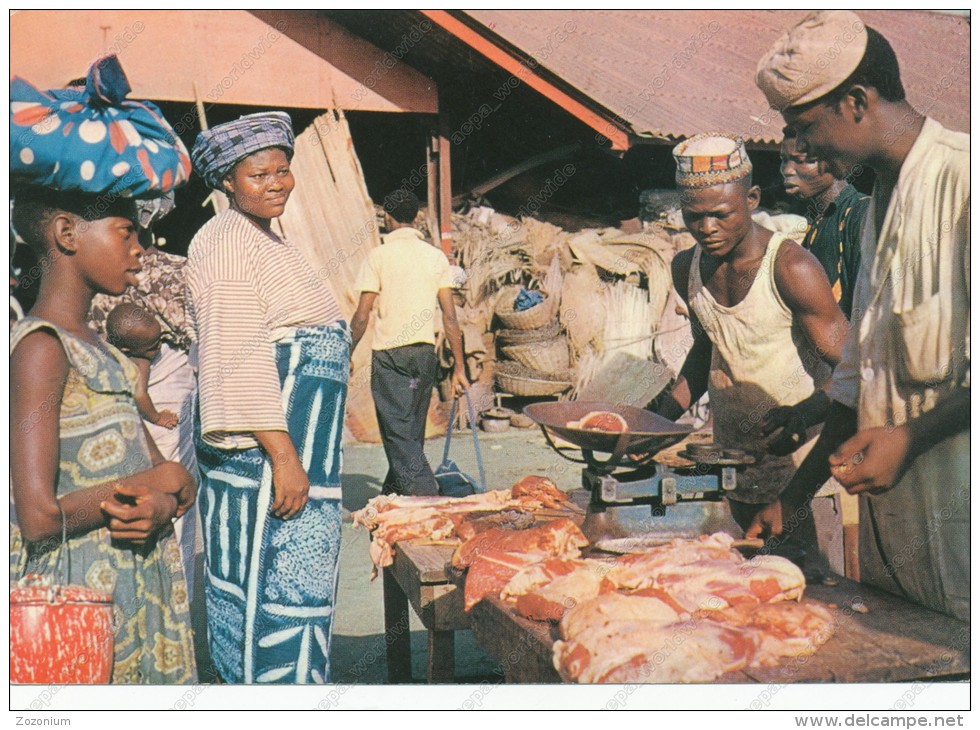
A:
60	635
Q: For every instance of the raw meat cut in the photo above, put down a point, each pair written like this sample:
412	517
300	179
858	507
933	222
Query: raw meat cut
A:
391	518
556	538
605	421
689	611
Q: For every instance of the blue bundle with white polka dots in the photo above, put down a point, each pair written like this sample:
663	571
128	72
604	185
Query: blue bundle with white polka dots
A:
94	140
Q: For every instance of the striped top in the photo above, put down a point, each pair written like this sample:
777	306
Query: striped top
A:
245	291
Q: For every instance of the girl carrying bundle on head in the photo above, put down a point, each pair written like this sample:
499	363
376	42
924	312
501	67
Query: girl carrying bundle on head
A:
89	485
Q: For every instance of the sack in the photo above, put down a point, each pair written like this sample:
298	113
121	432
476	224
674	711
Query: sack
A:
453	481
60	634
94	140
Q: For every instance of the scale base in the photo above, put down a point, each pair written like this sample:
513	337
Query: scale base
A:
659	490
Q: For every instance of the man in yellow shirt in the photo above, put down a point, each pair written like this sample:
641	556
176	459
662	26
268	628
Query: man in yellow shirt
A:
405	277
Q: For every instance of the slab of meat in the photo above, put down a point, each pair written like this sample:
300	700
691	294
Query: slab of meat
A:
490	571
469	524
436	527
611	608
391	518
545	590
550	602
697	650
786	629
636	570
396	508
702	577
540	490
630	639
687	612
538	575
557	538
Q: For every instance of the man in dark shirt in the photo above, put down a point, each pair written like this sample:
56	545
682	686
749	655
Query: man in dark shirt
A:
835	210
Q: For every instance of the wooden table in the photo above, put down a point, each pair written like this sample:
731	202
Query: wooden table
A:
895	641
419	576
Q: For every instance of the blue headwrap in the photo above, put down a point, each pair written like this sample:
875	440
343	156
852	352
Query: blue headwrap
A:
94	140
218	149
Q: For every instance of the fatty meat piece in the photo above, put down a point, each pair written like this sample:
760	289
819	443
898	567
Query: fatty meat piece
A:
557	538
610	608
697	650
786	629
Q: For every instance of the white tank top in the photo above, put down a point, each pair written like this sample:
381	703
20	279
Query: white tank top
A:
760	359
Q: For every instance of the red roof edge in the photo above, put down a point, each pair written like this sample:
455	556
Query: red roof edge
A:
606	126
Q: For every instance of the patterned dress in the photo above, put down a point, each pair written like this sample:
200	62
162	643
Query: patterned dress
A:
271	584
102	439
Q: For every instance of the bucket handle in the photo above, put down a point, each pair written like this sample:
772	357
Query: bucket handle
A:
62	566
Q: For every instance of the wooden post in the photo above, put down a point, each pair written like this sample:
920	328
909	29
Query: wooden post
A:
445	184
217	200
432	182
442	661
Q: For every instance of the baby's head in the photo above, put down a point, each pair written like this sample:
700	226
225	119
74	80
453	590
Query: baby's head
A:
134	331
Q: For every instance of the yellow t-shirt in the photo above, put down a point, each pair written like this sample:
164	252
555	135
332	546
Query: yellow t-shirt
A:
407	273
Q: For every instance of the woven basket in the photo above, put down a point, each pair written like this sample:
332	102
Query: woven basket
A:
537	316
516	379
548	356
507	337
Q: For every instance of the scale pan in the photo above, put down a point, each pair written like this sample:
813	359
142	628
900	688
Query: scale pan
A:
647	433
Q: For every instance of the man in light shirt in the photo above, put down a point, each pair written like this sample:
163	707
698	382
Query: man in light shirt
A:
405	277
898	433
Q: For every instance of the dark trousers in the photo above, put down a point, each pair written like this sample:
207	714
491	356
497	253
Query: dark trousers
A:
402	379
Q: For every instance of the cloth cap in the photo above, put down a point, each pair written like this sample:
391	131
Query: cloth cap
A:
94	140
217	150
812	59
711	159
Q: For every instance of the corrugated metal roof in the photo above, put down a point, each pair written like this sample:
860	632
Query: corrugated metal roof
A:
671	74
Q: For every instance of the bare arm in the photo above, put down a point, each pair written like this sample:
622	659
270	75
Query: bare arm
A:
803	285
173	476
183	484
813	473
39	371
451	326
692	381
167	419
359	322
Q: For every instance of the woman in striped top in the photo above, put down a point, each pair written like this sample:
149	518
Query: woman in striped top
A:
273	355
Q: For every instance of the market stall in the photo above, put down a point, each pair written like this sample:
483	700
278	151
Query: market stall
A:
554	599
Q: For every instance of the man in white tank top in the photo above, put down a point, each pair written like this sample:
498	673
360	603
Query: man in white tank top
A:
767	330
